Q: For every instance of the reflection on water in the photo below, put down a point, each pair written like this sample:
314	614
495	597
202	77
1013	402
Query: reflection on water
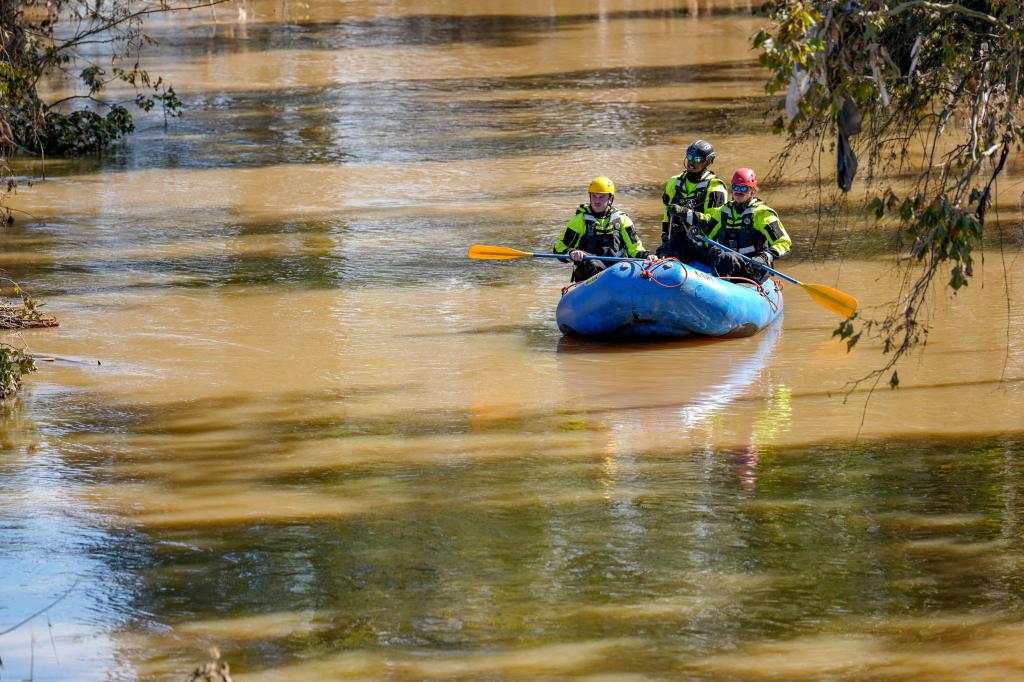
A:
435	548
288	416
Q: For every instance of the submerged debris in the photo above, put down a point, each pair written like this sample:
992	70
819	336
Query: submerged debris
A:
216	670
22	317
24	314
17	362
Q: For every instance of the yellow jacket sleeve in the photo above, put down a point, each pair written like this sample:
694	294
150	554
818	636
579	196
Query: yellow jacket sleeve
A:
768	223
634	247
571	235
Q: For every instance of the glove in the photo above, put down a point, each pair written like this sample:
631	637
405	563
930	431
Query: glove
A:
695	235
726	263
765	258
681	212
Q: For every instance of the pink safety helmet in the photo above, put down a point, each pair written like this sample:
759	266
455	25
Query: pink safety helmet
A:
744	177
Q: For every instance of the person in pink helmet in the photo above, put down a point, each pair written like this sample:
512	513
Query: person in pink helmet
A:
745	224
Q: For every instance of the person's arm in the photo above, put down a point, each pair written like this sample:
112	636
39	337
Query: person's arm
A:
634	247
666	198
716	196
778	241
571	236
705	222
711	224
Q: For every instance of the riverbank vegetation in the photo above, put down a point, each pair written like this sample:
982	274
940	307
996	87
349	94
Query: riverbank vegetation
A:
930	91
14	364
41	39
26	314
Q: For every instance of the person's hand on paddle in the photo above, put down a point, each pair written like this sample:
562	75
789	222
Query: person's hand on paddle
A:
685	215
764	257
726	262
577	256
696	236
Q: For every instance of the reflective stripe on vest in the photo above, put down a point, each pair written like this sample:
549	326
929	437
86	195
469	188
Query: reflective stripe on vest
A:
740	234
590	220
610	242
697	197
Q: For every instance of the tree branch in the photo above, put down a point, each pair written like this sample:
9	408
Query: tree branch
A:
958	9
108	23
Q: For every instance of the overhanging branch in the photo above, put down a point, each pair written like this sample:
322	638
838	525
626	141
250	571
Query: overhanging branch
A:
950	8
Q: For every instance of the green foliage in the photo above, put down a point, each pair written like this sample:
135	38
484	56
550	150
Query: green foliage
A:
84	131
91	77
845	332
943	77
30	311
14	363
33	47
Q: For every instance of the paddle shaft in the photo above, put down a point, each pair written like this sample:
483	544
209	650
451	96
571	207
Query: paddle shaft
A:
751	260
839	302
565	256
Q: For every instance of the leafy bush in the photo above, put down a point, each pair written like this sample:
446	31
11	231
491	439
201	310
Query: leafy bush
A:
32	47
83	131
14	364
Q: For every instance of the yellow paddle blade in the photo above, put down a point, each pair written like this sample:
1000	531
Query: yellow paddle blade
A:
495	252
837	301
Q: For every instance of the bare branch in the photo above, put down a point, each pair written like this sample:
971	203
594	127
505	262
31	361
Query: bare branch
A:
42	610
113	22
957	9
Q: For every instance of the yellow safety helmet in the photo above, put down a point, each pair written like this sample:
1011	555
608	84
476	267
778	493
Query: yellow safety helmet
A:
601	185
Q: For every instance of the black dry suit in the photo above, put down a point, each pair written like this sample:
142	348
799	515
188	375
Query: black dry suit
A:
700	192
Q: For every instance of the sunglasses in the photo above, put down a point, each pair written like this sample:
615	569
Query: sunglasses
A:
742	189
696	158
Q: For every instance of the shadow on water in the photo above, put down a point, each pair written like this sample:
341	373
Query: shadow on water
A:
287	422
316	253
332	250
578	345
833	533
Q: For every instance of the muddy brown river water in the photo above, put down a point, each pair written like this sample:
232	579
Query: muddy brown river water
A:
287	416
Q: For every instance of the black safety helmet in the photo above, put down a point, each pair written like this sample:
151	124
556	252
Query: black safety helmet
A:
702	148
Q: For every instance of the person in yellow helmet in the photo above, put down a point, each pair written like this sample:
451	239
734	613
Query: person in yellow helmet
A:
598	229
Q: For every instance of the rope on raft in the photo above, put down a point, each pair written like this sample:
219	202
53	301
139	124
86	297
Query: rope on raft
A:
760	289
648	266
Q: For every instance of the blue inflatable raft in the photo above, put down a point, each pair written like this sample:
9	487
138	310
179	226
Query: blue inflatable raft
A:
633	299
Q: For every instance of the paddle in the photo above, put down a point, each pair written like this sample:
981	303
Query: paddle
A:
837	301
484	252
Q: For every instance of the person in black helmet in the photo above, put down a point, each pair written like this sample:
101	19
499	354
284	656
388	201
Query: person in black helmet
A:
692	193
